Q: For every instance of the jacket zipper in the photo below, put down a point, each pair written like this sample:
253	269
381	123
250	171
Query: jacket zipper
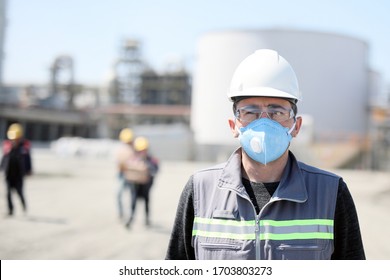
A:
257	221
257	227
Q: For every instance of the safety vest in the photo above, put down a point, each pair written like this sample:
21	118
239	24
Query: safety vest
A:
297	223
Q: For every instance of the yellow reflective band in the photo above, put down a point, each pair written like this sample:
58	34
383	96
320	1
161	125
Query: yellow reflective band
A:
275	230
297	222
291	236
224	222
239	236
264	222
265	236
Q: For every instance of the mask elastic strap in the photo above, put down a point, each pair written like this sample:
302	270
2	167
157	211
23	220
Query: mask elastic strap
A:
292	128
236	127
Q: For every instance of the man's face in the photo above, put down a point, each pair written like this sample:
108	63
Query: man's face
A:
252	108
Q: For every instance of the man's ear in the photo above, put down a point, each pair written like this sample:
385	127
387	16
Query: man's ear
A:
297	127
233	128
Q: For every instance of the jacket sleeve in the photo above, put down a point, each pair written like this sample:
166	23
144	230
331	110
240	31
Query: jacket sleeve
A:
348	244
2	163
180	247
28	163
6	147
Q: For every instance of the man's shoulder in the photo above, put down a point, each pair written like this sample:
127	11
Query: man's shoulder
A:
26	144
316	170
6	146
123	152
211	168
208	173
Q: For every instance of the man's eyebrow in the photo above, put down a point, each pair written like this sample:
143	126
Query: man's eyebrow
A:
277	106
272	106
250	106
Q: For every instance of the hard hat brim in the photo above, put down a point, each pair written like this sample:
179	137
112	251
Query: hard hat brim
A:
262	92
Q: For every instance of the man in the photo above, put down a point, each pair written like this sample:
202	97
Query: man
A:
124	154
263	203
16	163
141	171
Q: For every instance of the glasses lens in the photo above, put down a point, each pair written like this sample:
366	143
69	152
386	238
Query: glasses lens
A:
249	114
279	114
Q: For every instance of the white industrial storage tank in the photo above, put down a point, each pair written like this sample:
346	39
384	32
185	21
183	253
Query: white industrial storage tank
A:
332	71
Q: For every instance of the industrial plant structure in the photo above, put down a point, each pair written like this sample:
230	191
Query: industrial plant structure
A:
133	95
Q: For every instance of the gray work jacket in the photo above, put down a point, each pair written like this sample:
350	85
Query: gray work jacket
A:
297	223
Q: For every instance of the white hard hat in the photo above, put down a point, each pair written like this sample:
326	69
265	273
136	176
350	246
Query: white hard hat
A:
264	73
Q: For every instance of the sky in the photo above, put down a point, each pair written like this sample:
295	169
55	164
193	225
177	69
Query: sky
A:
91	31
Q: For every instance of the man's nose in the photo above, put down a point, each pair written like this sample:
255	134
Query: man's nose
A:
263	115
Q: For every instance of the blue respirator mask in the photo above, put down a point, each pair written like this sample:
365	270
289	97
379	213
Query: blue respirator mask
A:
265	140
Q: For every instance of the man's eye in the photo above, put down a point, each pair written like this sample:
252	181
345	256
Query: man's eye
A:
247	112
277	113
251	112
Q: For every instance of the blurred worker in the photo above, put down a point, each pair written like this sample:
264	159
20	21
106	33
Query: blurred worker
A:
141	171
124	154
16	163
263	203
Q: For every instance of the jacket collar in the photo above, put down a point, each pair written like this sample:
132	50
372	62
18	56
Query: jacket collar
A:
291	187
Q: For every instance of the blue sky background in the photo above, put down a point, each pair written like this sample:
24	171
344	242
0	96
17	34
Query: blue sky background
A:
91	31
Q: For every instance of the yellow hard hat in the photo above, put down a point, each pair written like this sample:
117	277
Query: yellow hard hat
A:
15	131
141	144
126	135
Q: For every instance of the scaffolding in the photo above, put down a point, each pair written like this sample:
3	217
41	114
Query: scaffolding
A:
127	69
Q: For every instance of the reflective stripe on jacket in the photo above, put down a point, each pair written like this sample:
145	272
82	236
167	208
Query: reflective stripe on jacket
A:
297	223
